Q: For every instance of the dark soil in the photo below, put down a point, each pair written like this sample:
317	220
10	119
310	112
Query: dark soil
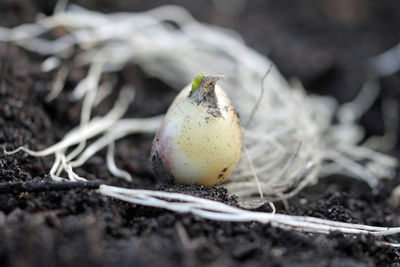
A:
324	43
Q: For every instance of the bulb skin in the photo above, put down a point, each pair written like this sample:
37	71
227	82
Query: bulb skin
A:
199	140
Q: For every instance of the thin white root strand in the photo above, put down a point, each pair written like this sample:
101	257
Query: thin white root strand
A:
386	63
58	84
121	129
214	210
257	181
395	245
113	167
94	127
353	110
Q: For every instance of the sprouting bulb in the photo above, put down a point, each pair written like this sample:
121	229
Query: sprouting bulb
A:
199	140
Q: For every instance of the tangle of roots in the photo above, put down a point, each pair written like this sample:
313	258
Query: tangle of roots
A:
289	142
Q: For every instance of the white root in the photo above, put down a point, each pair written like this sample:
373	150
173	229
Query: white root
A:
117	172
95	127
290	141
214	210
58	84
386	63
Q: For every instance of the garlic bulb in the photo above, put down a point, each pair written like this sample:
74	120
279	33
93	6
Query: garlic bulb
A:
199	140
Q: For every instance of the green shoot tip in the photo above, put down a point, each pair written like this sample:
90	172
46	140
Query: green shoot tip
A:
197	81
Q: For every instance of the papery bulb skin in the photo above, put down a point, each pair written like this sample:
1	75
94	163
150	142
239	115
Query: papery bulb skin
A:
200	139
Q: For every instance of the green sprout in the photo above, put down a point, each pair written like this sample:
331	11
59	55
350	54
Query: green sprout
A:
197	81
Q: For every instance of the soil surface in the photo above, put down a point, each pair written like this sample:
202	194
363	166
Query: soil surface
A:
324	43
